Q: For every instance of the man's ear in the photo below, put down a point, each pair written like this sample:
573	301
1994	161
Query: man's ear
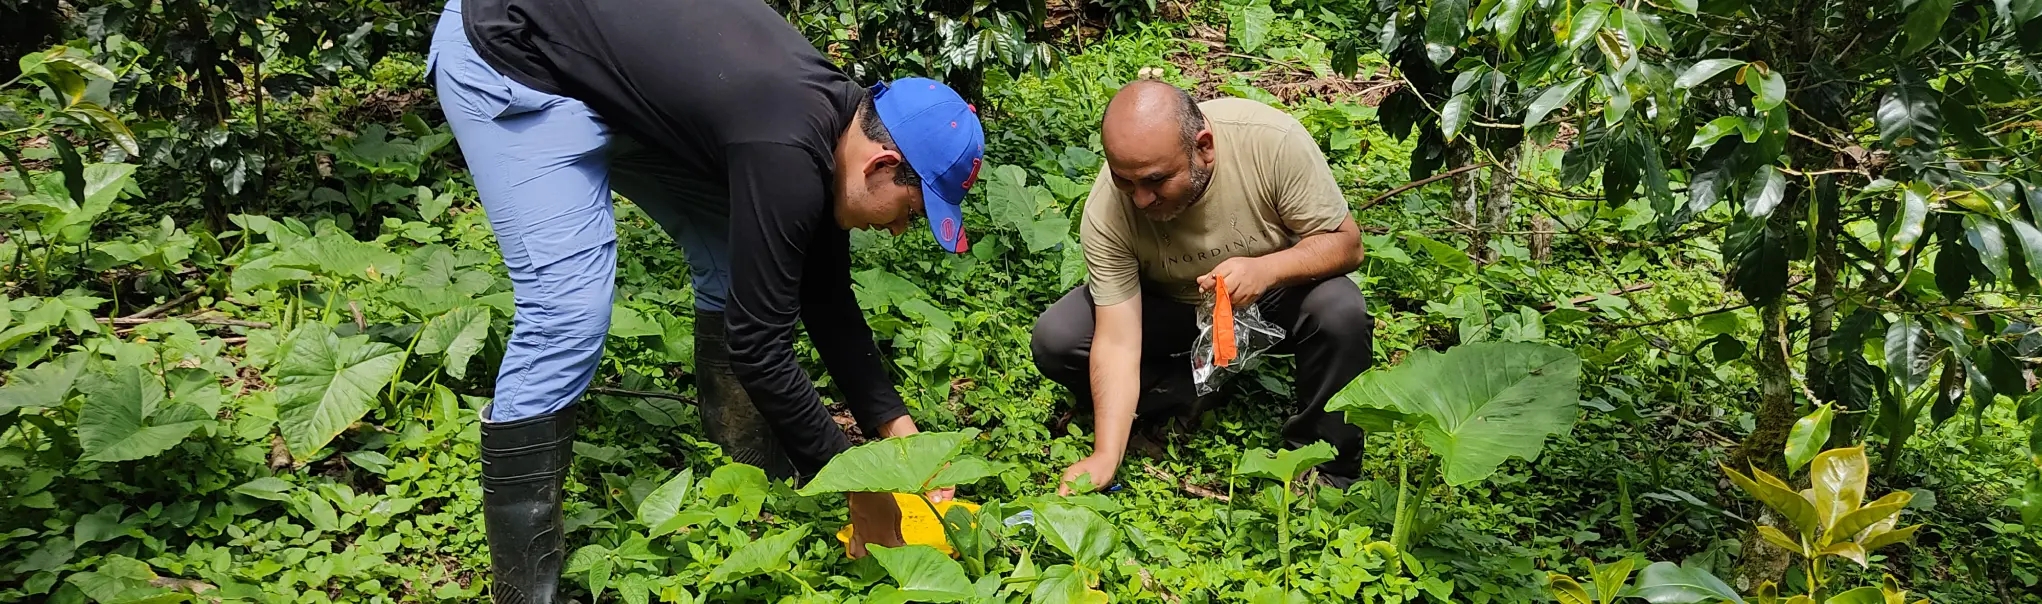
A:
1202	143
880	161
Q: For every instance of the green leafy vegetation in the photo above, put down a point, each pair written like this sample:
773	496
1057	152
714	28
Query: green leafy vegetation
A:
1681	282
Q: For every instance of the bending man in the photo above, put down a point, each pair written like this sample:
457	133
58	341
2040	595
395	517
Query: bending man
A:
727	127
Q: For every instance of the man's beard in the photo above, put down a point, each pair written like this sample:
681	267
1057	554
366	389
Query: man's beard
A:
1200	179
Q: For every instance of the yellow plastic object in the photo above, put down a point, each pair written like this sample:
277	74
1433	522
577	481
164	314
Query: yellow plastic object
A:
917	525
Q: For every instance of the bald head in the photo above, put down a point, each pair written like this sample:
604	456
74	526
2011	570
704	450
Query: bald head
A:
1158	149
1147	112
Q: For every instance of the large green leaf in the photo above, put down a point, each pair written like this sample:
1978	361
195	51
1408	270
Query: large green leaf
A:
759	557
746	486
1924	23
111	424
1909	114
1509	15
1764	191
459	334
1062	584
1446	26
1907	226
1986	238
1454	115
1250	24
1481	403
1077	531
1875	513
1703	71
43	385
1908	354
907	464
2030	240
1447	255
1866	594
1586	23
325	383
1768	490
924	575
1551	99
1768	87
664	504
877	288
1669	583
1808	436
1838	481
1285	465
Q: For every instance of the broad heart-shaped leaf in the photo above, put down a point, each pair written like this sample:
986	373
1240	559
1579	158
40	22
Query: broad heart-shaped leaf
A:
1808	436
665	502
459	333
1447	255
1062	584
43	385
1285	465
110	424
1703	71
1924	23
1669	583
759	557
1780	497
877	289
325	383
745	484
1909	114
1481	403
924	575
1251	24
1908	354
1077	531
1454	115
1838	482
1764	191
1551	99
907	464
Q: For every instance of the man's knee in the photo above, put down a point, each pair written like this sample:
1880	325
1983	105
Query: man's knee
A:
1337	307
1061	337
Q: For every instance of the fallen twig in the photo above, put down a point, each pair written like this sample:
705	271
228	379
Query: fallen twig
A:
158	309
132	321
1186	485
1632	288
1419	183
361	323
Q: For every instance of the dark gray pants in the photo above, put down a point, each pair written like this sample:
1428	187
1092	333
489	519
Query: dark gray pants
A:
1328	328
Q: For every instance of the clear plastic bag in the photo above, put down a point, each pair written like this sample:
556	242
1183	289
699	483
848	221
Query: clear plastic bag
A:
1252	336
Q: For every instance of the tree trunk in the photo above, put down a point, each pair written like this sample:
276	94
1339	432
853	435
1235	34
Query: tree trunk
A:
1466	200
1497	207
1822	303
1762	561
1541	238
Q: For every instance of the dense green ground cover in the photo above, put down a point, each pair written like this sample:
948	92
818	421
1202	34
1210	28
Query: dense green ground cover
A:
216	455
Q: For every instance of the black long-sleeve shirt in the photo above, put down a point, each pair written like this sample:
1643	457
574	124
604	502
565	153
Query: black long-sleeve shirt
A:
731	92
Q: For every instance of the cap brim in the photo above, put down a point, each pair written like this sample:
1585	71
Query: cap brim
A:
940	210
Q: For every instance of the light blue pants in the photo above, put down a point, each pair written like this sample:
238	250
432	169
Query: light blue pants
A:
544	166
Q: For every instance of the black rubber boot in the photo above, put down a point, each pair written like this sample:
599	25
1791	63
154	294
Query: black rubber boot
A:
727	412
523	464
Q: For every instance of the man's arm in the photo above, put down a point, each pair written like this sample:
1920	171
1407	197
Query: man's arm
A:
1116	388
778	201
1310	204
829	310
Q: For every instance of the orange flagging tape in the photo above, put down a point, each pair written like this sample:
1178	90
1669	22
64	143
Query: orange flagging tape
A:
1222	325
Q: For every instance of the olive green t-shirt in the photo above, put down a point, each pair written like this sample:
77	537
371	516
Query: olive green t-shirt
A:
1270	187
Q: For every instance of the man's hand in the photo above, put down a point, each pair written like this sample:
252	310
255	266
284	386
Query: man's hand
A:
1247	279
1097	468
903	426
875	518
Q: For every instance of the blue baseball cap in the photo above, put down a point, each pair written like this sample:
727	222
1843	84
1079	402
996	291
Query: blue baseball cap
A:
940	136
